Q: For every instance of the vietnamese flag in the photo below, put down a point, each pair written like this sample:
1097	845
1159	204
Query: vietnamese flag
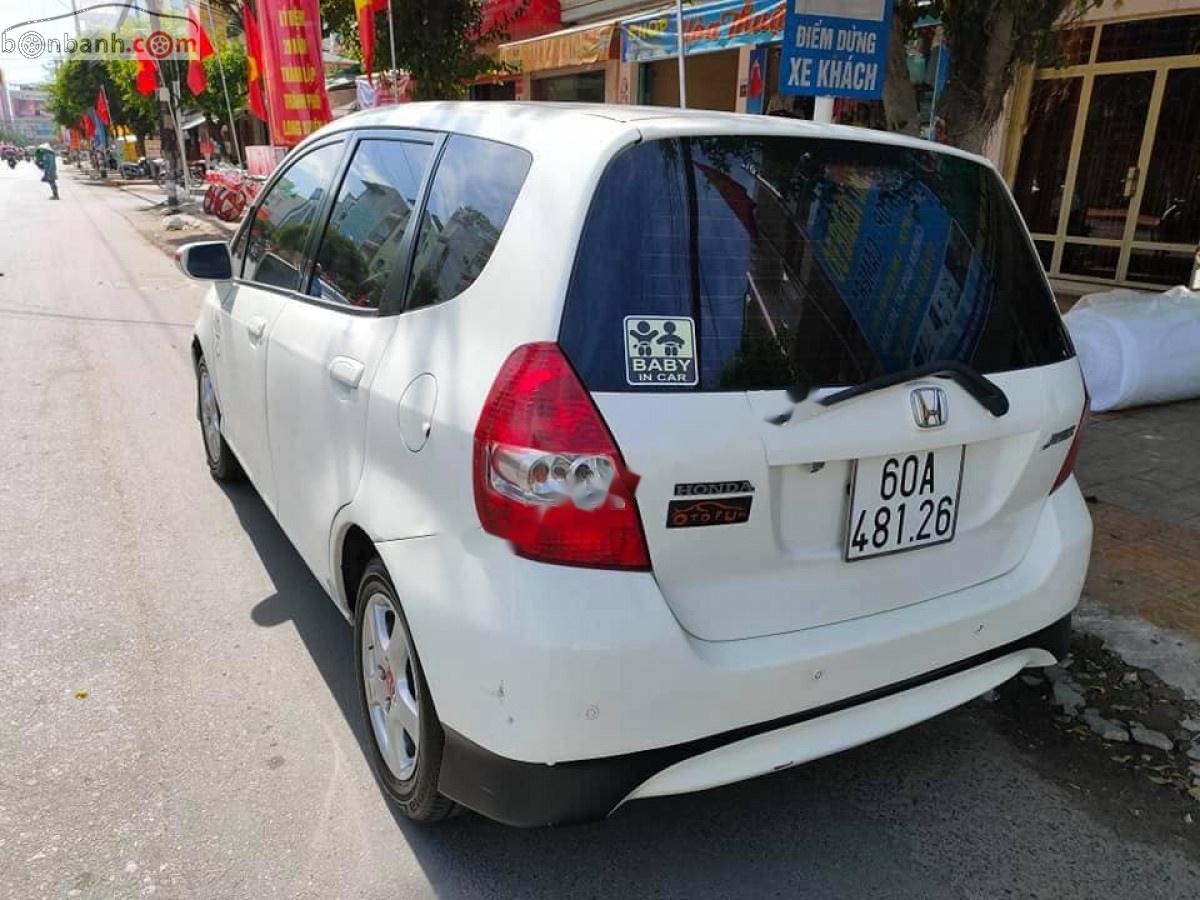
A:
147	74
102	107
365	10
254	79
200	48
756	81
87	126
739	202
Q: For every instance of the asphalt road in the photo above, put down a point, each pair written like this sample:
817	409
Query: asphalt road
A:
218	751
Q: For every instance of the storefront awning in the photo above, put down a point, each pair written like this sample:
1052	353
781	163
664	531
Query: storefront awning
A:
579	46
712	26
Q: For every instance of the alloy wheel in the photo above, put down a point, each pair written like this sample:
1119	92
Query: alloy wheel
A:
390	683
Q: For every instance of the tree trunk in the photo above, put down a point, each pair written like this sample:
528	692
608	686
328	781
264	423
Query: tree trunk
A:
899	94
980	75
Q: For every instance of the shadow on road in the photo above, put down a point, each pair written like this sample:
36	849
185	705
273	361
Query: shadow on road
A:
857	824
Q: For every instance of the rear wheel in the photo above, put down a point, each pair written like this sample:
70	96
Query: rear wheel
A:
222	464
405	736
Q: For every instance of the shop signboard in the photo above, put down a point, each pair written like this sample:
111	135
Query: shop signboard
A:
835	48
297	104
576	47
707	27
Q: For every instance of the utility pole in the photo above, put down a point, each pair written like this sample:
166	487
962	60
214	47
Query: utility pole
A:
169	139
180	144
679	45
392	38
237	150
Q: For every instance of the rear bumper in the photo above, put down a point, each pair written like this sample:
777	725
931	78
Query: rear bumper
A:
527	794
542	672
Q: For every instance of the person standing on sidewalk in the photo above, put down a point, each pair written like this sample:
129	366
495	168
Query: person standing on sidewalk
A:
50	169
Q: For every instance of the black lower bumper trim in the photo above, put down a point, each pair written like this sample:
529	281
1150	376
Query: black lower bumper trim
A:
528	794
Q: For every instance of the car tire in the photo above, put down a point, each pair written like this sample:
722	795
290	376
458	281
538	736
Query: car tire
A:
222	464
394	699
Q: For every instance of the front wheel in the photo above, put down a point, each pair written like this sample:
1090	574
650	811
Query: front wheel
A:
222	464
404	734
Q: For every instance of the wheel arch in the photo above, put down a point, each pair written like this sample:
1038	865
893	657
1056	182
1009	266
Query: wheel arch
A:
355	549
197	352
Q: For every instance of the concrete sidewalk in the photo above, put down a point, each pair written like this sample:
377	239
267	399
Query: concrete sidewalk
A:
1137	468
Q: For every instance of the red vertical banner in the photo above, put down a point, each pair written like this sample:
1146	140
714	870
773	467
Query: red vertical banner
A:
297	104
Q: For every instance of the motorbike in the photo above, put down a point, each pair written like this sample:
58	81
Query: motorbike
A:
12	162
152	169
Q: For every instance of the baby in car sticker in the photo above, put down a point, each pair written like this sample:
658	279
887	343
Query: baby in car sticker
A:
660	351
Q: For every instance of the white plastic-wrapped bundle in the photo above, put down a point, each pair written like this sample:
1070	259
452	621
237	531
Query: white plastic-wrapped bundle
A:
1137	348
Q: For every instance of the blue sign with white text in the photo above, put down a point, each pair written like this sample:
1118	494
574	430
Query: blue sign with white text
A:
835	48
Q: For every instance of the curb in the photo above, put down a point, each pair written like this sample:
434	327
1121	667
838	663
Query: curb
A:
1169	654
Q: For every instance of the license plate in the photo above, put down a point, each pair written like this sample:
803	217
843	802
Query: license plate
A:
903	502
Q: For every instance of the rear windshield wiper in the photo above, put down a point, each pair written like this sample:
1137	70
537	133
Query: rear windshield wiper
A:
986	392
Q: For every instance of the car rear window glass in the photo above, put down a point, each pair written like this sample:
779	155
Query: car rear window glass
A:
361	244
473	191
802	261
285	219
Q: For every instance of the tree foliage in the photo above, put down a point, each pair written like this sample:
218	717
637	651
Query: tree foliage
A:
77	82
140	111
74	88
441	43
988	40
230	59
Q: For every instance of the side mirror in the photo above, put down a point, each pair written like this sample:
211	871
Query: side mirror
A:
205	261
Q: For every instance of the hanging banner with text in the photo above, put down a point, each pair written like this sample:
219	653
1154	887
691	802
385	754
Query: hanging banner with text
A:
835	48
708	27
297	104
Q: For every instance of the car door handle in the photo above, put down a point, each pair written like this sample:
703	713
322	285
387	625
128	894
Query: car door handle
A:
347	371
256	326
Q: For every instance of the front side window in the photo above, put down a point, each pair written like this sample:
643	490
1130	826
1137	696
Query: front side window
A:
285	219
361	244
806	261
473	191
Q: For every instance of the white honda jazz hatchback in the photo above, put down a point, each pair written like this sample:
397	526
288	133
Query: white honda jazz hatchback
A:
647	450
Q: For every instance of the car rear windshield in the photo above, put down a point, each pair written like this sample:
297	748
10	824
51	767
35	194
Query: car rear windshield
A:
748	263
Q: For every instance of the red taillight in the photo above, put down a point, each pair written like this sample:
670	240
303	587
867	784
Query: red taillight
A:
548	476
1068	465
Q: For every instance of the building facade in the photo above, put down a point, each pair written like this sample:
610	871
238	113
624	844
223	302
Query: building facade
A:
1103	149
30	113
1101	144
626	51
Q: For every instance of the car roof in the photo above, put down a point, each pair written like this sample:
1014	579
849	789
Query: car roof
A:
530	123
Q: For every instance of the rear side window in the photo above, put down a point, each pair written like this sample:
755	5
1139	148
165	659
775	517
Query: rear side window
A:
361	244
473	191
788	261
285	219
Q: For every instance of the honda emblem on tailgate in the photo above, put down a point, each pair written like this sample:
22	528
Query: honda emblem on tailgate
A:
930	407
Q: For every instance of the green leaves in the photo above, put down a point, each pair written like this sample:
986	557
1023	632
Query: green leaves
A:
441	43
